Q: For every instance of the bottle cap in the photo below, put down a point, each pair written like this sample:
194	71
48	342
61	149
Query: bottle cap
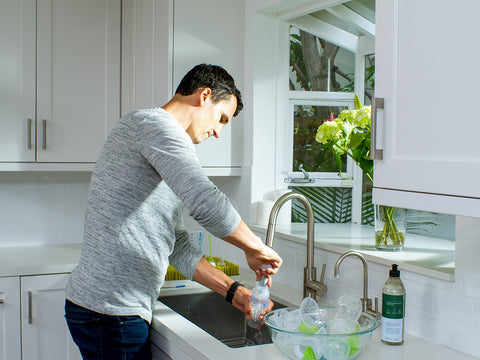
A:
394	272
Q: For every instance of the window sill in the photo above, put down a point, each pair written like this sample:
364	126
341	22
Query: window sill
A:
423	255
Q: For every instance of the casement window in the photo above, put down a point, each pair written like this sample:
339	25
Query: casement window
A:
323	77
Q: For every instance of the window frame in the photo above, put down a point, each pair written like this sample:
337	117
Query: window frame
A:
287	99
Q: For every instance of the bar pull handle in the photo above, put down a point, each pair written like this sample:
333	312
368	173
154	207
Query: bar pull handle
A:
30	307
375	154
44	126
29	134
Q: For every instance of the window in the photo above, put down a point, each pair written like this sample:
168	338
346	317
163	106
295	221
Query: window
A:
323	77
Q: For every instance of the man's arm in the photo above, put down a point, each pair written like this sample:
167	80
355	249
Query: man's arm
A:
219	282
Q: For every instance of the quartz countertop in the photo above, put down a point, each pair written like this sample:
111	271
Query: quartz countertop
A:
39	259
423	255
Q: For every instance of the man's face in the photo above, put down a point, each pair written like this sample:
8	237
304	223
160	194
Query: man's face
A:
210	118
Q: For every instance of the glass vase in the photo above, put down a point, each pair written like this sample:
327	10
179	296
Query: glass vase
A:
390	227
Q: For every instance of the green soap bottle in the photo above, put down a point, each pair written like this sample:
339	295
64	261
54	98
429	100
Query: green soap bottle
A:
393	309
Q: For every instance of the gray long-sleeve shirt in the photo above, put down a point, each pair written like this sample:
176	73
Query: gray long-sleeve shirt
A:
147	171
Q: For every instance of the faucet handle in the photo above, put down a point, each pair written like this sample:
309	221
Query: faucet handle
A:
322	275
374	311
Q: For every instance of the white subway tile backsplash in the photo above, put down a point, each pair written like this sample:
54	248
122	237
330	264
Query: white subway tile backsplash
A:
468	283
420	297
476	251
455	307
476	314
465	339
465	254
467	228
431	327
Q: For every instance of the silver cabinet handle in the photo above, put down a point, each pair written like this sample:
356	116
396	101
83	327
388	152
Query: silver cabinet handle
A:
44	125
29	134
375	154
30	307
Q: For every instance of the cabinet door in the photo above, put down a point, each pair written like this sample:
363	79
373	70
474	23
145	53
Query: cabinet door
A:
213	35
78	77
10	348
17	80
426	71
45	334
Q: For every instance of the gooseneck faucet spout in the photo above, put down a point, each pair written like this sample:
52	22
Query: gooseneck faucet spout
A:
310	284
366	301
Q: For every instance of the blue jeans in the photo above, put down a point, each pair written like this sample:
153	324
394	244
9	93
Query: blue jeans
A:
105	337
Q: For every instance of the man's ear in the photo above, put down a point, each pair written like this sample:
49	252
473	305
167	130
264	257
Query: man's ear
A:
205	94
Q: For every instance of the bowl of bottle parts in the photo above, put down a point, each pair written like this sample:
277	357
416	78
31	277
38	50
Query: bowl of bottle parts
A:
313	332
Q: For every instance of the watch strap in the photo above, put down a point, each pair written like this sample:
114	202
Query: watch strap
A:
231	291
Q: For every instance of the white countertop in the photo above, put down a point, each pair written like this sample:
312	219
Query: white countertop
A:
424	255
47	259
41	259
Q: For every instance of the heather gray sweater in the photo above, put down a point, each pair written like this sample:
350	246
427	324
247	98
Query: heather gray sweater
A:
147	171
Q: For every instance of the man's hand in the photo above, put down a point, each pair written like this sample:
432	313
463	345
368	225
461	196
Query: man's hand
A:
241	300
265	256
256	251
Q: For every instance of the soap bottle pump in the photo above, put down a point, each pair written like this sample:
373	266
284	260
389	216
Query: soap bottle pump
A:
393	309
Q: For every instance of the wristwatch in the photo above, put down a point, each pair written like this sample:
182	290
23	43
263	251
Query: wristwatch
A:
232	290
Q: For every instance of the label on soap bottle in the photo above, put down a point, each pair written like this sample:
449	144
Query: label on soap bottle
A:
392	318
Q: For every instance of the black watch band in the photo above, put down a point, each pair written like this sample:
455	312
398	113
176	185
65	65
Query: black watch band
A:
231	291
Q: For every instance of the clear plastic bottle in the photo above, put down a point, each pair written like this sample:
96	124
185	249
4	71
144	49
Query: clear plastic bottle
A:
258	302
393	309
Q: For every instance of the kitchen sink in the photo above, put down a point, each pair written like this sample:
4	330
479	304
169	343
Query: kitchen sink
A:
213	314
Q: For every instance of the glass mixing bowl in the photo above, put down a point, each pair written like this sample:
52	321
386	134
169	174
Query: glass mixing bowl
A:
302	345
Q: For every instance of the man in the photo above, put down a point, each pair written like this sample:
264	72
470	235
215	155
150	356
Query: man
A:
146	173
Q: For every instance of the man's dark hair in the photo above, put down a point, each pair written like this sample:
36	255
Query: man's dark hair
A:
214	77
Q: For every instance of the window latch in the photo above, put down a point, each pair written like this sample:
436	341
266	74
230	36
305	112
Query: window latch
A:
304	180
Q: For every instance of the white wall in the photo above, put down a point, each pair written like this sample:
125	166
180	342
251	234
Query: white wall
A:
42	208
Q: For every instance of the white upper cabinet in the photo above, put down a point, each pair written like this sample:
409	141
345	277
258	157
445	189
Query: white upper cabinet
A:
162	40
212	32
427	73
62	58
17	80
78	77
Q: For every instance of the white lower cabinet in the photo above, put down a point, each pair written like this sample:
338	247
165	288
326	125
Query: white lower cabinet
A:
32	319
10	344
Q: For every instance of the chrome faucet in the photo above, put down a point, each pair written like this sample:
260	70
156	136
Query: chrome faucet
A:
366	302
310	284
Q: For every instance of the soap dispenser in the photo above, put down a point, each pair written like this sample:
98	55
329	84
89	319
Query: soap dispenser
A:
393	309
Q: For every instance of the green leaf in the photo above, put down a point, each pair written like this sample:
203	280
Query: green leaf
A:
353	341
356	139
358	104
309	354
366	165
307	330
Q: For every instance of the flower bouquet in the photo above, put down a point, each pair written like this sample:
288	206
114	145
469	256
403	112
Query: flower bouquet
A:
349	134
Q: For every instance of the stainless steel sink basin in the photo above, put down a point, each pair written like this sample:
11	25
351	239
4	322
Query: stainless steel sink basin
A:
212	313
